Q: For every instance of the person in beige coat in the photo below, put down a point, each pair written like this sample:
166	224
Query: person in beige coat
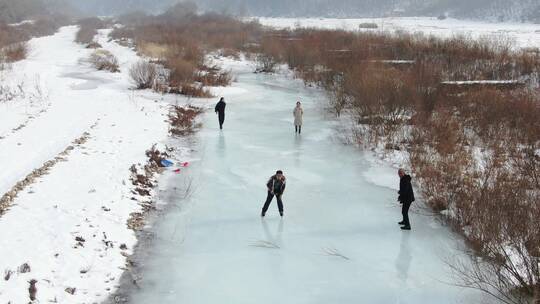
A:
298	117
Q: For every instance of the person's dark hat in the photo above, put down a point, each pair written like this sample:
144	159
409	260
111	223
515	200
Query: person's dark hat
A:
279	172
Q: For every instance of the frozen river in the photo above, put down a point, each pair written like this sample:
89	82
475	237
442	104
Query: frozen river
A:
215	248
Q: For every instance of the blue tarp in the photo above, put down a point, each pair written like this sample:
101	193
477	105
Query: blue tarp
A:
166	163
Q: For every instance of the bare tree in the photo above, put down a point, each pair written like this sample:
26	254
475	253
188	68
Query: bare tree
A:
265	64
144	74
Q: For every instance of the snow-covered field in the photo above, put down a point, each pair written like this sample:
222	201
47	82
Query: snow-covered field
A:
69	224
521	34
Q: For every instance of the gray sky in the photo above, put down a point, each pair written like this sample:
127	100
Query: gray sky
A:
494	10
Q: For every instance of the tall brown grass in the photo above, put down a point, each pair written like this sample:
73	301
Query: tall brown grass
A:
182	44
104	60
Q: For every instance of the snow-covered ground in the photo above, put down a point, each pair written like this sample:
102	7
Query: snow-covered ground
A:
69	225
522	34
339	241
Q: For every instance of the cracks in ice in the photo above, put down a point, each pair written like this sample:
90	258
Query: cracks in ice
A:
330	251
265	244
272	241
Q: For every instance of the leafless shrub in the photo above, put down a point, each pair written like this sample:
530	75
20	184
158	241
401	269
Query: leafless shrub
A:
265	64
182	120
14	52
491	195
181	71
144	74
504	231
104	60
9	93
143	178
12	92
155	157
338	98
195	90
213	76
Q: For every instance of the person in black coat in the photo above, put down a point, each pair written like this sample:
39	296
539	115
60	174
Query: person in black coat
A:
276	186
220	110
406	197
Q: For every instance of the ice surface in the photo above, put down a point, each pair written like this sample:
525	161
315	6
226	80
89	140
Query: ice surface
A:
339	241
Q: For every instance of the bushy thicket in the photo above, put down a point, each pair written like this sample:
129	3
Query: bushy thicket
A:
104	60
181	45
144	75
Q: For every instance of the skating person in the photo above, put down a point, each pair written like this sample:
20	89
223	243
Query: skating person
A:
298	113
276	187
406	197
220	110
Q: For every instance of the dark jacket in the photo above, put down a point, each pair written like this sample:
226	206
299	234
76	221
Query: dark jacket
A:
278	186
406	193
220	107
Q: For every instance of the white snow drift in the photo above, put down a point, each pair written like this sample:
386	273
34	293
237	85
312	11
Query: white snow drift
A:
70	224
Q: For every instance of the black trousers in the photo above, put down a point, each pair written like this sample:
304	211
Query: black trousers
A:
405	212
269	199
221	120
298	129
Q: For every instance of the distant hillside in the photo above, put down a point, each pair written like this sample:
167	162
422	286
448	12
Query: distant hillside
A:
12	11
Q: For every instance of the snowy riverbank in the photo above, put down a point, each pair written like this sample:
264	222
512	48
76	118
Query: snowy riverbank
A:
69	222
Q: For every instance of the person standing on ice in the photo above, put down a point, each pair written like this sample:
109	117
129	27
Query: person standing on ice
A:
276	187
220	110
298	113
406	197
